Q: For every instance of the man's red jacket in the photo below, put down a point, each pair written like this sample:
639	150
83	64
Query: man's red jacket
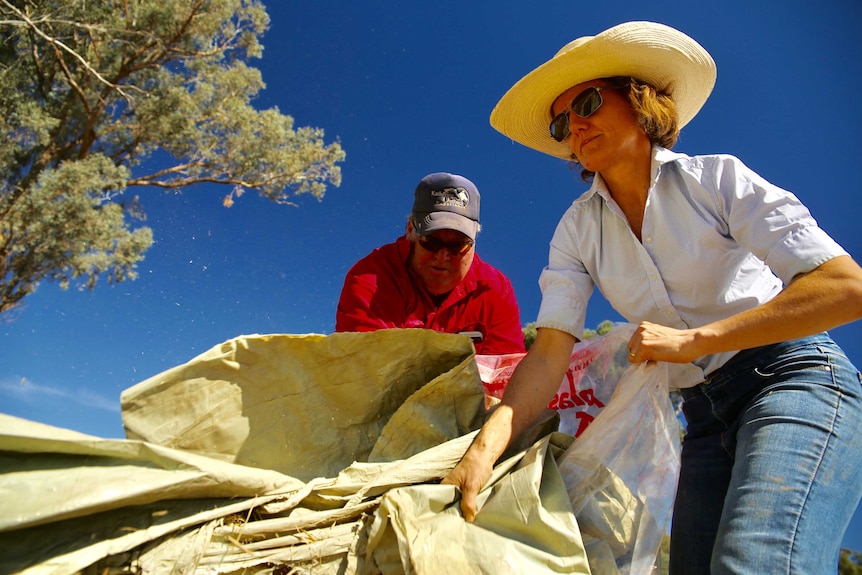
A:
380	292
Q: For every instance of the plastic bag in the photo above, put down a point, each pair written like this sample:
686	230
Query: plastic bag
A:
594	370
621	473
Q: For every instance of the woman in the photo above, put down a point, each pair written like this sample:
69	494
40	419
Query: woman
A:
708	259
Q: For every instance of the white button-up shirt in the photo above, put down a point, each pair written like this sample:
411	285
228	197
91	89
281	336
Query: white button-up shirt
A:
717	239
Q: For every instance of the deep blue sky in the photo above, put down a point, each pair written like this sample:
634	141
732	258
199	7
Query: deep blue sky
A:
407	88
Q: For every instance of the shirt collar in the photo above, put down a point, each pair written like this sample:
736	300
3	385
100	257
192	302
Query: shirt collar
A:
660	157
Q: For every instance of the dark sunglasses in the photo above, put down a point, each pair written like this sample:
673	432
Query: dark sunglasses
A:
455	249
584	105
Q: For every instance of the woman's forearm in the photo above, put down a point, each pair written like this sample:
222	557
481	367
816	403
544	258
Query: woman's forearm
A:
822	299
532	386
825	298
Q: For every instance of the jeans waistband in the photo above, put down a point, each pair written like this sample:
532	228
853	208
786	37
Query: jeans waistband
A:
745	355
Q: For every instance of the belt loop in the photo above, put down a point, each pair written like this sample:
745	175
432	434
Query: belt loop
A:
709	378
700	388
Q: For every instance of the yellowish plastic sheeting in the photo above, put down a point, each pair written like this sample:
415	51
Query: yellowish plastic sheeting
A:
525	525
68	500
212	437
369	422
51	474
304	405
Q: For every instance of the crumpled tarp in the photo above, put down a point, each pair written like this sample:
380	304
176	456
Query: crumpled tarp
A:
526	524
310	405
315	454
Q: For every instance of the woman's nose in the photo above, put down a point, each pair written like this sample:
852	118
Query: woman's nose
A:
576	126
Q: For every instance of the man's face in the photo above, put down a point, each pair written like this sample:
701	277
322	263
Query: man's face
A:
439	269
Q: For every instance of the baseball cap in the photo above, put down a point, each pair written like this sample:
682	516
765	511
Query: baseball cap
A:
444	201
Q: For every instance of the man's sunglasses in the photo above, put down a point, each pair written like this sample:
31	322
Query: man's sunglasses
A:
584	105
455	249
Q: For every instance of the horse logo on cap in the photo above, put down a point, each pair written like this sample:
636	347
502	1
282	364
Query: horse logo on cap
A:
456	197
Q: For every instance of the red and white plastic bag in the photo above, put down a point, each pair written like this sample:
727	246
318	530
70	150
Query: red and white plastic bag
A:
594	371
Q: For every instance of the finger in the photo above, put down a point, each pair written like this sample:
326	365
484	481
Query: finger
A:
468	505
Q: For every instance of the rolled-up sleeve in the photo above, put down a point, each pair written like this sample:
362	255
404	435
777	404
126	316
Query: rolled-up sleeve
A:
771	222
566	286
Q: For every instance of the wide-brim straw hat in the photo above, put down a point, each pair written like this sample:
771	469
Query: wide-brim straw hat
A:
654	53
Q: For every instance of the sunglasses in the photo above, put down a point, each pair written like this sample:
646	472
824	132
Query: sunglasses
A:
584	105
455	249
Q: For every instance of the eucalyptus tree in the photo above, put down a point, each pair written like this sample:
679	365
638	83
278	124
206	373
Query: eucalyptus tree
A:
100	96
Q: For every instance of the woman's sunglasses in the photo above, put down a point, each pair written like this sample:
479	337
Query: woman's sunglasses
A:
455	249
584	105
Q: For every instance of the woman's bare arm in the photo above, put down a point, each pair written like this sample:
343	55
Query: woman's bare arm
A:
531	387
822	299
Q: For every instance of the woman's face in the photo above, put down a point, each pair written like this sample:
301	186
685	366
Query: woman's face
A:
609	135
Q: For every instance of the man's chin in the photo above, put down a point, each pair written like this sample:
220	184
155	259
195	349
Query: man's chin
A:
440	288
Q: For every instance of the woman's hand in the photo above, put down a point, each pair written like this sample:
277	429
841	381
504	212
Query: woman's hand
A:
654	342
531	387
828	296
470	475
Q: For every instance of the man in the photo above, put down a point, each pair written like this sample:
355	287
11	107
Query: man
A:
432	278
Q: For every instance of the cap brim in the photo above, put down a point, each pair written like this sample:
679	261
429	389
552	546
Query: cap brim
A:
653	53
435	221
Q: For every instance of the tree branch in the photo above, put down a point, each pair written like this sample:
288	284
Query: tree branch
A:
60	45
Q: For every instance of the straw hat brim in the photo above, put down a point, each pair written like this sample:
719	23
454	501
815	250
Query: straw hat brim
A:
654	53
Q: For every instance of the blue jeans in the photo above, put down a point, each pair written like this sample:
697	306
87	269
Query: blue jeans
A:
771	462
